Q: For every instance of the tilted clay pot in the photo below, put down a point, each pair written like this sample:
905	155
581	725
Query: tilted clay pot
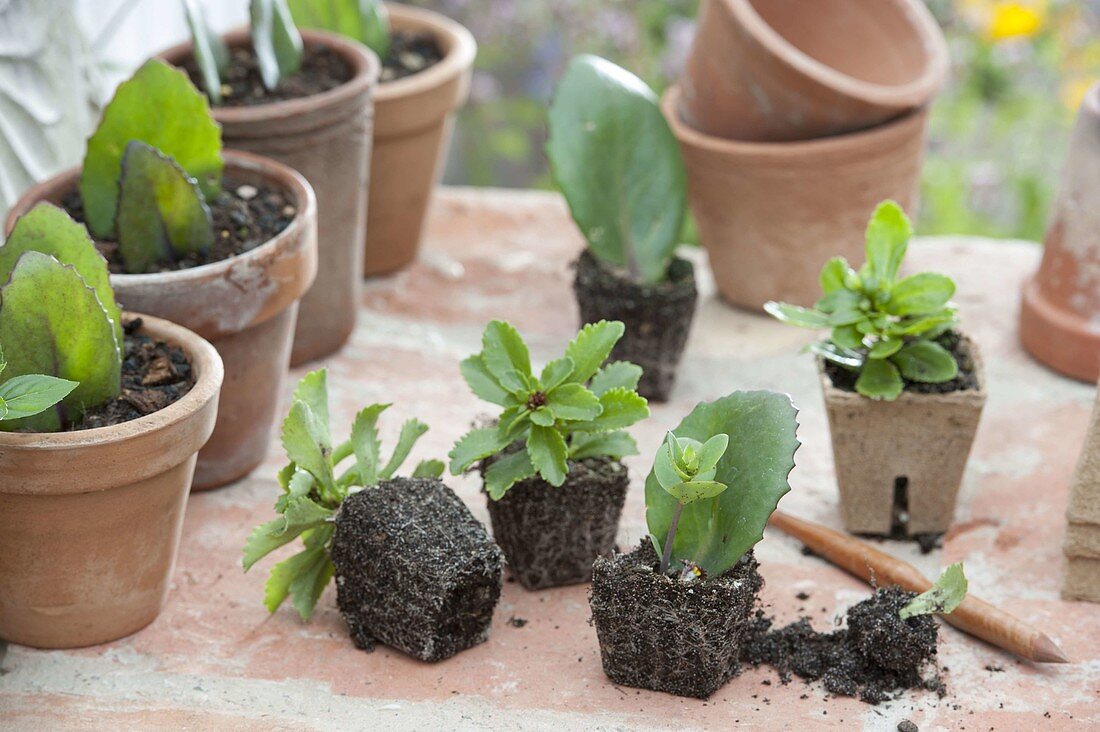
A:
1082	542
413	121
326	138
914	449
781	70
1061	303
90	521
771	214
245	305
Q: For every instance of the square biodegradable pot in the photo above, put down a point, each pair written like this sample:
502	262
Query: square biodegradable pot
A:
90	521
913	449
246	306
657	317
414	569
550	536
664	634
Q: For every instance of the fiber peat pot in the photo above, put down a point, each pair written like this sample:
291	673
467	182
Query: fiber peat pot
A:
899	464
414	569
657	317
1082	543
246	306
550	536
90	521
776	70
771	214
413	122
665	634
327	138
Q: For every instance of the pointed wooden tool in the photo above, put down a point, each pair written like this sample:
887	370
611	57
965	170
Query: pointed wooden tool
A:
973	616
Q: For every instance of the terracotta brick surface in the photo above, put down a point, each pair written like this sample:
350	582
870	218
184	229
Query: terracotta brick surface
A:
216	660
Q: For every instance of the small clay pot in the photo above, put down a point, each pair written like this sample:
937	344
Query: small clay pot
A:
245	305
782	70
657	317
326	138
550	536
665	634
413	121
90	521
1061	303
902	457
429	592
771	214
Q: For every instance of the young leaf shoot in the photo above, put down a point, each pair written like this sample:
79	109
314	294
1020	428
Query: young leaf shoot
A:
275	40
366	21
211	53
942	598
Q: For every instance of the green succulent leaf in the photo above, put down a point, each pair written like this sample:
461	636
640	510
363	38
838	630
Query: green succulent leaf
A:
302	576
618	165
616	444
542	416
305	442
29	394
833	275
507	471
695	490
503	350
796	315
922	293
482	383
888	235
592	346
942	598
429	469
574	402
885	348
367	446
313	390
367	21
556	372
841	356
617	375
879	380
928	326
712	451
548	454
927	362
275	40
621	408
411	431
211	53
474	446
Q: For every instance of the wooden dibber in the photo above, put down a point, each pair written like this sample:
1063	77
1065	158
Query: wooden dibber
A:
973	616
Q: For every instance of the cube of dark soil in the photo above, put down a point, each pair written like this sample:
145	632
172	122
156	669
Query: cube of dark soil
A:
877	630
551	535
414	569
664	634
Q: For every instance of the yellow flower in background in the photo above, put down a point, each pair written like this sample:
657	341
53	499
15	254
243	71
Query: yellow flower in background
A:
1014	20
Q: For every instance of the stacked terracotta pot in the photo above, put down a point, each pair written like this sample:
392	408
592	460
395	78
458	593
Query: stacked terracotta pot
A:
795	120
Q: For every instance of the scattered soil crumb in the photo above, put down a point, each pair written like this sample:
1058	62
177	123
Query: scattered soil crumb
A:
994	668
906	726
803	595
517	622
322	69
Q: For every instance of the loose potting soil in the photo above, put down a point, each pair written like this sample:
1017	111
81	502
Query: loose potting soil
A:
956	345
665	634
551	535
657	316
874	657
245	216
410	53
154	375
414	569
242	85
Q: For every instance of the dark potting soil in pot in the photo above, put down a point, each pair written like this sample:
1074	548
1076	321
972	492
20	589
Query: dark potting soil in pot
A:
845	379
666	634
550	535
242	86
875	657
154	375
410	53
657	317
414	569
245	216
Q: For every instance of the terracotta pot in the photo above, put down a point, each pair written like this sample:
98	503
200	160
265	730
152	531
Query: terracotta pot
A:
910	453
781	70
246	306
1082	542
771	214
413	120
90	521
326	138
1061	303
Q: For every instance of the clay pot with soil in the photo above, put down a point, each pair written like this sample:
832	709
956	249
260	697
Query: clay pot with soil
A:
673	614
777	70
414	569
904	390
551	461
771	214
625	185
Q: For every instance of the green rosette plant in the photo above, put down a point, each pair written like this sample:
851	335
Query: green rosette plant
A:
577	407
314	486
882	327
366	21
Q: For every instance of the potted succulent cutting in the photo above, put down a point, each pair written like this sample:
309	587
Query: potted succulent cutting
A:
672	614
618	164
427	64
904	389
414	569
303	99
101	416
223	244
552	462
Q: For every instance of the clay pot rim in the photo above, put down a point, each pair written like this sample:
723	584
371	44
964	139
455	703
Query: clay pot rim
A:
459	56
365	71
914	93
204	360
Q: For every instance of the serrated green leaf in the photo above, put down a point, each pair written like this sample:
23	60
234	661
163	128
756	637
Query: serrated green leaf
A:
888	235
275	41
210	52
542	416
313	390
429	469
555	372
506	472
591	347
411	431
366	445
942	598
27	395
838	300
616	444
482	383
621	408
617	375
796	315
263	540
922	293
548	454
515	383
159	106
303	440
885	348
833	275
3	409
574	402
475	445
879	379
367	21
927	362
298	574
503	350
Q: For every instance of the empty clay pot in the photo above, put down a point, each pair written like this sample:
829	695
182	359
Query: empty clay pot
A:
246	306
326	138
413	120
776	70
90	521
770	214
1061	303
912	451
